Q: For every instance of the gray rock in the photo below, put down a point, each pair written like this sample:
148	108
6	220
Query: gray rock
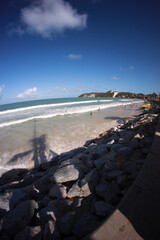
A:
72	153
110	143
66	223
134	143
127	137
65	174
102	160
84	187
46	214
51	231
57	191
29	233
18	218
113	189
129	167
109	166
12	175
101	189
46	200
98	150
115	174
88	143
116	147
123	182
85	225
103	209
138	137
125	151
17	196
4	200
42	184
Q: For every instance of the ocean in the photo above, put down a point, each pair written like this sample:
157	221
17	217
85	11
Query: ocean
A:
33	132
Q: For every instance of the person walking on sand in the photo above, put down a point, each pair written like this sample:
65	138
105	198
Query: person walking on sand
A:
91	113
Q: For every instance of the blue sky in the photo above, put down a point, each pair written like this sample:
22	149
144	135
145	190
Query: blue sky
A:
57	48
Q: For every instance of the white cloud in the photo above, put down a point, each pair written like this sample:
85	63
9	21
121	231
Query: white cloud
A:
1	88
131	67
75	56
28	93
49	17
59	89
115	78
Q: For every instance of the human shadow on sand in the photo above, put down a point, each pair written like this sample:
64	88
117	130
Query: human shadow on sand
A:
40	153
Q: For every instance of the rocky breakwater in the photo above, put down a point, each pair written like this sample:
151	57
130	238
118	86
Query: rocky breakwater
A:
70	196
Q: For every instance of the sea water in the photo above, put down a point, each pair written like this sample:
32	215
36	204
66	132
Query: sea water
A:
33	132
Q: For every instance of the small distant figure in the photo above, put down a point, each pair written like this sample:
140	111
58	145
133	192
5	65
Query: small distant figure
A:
99	109
91	113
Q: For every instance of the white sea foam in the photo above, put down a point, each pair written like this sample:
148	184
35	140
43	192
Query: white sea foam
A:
51	105
65	111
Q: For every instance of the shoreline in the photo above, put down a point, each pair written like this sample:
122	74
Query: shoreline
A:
93	125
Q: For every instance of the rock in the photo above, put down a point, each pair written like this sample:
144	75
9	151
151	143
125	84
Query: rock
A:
84	187
103	209
138	137
128	167
124	151
113	189
18	218
18	196
114	174
60	207
72	153
110	143
134	143
85	225
87	143
98	150
51	231
116	147
114	129
123	182
12	175
58	191
101	189
102	160
42	184
126	138
46	214
109	166
65	174
66	223
4	200
46	200
29	233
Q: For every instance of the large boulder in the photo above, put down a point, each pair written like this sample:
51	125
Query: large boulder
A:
57	191
66	223
84	187
18	218
65	174
103	209
110	156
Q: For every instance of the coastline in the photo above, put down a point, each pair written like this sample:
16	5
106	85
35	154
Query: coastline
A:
70	131
78	188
